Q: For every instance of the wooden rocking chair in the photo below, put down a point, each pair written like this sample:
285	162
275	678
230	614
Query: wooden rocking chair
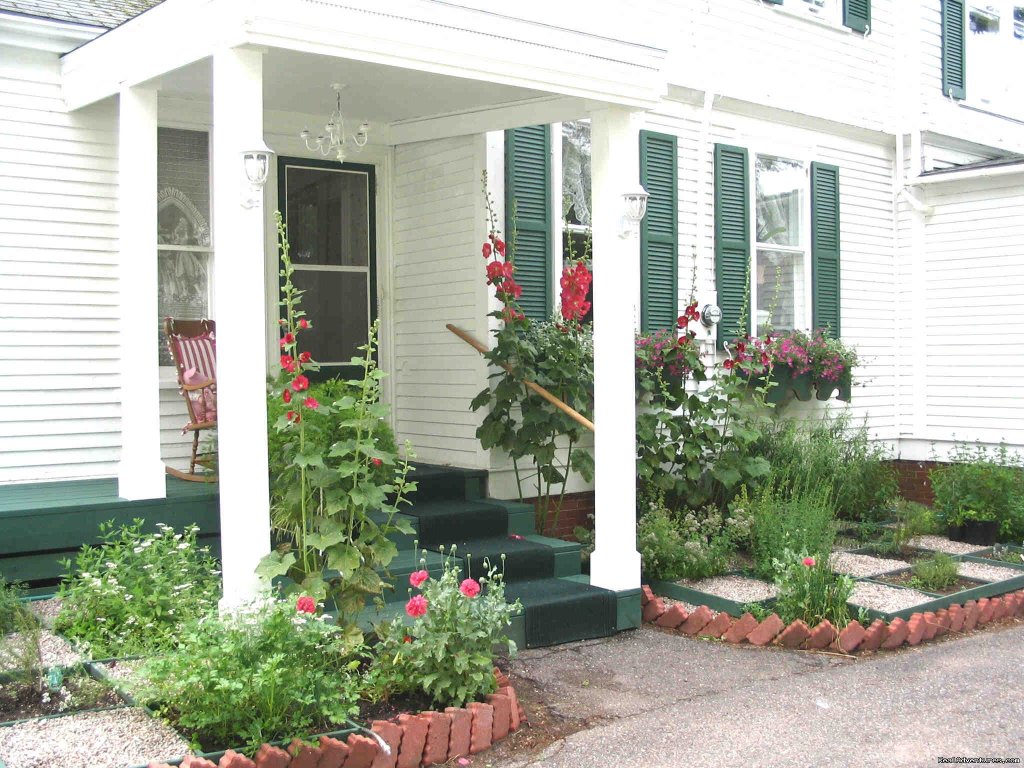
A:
193	347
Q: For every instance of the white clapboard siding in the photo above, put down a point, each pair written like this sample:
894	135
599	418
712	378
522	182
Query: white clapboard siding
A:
866	214
438	278
973	282
59	397
764	54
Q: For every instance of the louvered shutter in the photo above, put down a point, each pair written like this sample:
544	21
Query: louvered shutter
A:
857	15
732	240
659	235
528	208
954	63
825	246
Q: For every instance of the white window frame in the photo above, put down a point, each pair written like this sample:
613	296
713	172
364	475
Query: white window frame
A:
803	9
1011	102
785	153
168	375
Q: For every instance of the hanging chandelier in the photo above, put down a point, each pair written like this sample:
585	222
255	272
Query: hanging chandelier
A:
333	141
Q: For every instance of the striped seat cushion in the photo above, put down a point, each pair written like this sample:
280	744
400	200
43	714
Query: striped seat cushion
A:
199	352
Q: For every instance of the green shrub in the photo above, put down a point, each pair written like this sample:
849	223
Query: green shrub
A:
832	452
935	573
267	672
986	482
783	523
809	590
12	610
448	651
130	594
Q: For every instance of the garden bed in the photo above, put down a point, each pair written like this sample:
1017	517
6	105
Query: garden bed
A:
942	544
731	593
20	700
862	565
906	578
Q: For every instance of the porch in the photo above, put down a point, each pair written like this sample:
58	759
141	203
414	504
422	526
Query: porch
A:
421	76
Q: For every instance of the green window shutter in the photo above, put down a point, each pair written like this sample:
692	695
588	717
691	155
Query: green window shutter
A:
732	240
825	246
954	62
857	15
659	233
528	206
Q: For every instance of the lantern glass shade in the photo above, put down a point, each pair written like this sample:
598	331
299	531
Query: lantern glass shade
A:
257	165
635	204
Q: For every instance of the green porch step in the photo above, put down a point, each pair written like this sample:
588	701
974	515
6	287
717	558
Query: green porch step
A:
444	521
559	611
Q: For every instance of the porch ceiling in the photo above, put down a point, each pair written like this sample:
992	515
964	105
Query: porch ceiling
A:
413	57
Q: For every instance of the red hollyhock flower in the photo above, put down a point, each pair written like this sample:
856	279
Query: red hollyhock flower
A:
376	462
470	587
499	245
304	357
728	364
293	416
486	250
288	338
303	323
305	604
300	383
417	606
311	402
416	578
287	395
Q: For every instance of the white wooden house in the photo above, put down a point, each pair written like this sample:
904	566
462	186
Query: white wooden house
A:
121	189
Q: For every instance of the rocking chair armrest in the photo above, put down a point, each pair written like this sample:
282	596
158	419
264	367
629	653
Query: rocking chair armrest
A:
200	385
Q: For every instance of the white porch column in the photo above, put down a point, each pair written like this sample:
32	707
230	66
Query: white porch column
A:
615	563
241	320
140	473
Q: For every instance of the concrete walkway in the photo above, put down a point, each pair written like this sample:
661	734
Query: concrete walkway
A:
655	699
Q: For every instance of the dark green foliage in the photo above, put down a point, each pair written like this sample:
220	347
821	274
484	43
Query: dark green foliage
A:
786	521
12	610
832	453
981	484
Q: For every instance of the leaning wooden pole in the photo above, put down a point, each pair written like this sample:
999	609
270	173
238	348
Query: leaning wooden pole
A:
568	410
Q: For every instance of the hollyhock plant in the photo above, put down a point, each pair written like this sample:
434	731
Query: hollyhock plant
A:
575	284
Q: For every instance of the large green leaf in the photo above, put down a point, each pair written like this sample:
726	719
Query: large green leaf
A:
343	558
275	564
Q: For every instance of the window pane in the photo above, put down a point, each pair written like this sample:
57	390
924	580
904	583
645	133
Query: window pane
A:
986	63
781	289
779	189
183	187
328	217
338	303
184	290
826	9
576	172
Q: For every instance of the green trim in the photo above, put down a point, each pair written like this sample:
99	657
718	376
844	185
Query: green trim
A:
337	371
528	211
696	597
628	612
732	240
857	15
954	59
825	247
659	232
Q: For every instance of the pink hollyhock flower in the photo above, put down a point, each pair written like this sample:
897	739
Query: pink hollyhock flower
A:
303	323
417	606
287	395
417	578
470	587
299	383
486	250
809	562
305	604
311	402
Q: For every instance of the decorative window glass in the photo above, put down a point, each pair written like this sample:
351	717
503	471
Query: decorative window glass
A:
780	288
184	246
576	170
994	50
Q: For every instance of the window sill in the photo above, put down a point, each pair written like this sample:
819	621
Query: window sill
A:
810	18
988	109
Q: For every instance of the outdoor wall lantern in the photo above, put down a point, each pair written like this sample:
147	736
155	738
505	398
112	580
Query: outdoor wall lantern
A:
635	205
256	163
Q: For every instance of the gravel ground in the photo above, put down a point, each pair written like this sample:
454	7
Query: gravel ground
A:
987	572
55	650
942	544
740	589
668	602
860	566
110	739
887	599
120	670
46	610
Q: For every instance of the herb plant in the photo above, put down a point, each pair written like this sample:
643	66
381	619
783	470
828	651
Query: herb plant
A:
272	670
786	522
986	482
130	594
809	590
12	609
447	652
935	573
338	480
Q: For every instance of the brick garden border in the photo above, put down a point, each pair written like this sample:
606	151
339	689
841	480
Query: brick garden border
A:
920	627
415	740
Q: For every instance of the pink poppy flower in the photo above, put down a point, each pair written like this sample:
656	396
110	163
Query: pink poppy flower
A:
809	562
417	606
417	578
470	587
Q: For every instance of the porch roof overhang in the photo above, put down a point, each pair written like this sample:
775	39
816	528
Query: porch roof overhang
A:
521	55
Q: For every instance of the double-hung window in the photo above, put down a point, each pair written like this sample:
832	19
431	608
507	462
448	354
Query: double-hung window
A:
854	14
983	54
777	243
184	244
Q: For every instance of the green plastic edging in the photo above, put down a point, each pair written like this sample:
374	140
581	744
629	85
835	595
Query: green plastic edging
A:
696	597
10	723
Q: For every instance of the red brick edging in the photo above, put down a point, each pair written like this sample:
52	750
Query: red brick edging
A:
920	627
415	740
